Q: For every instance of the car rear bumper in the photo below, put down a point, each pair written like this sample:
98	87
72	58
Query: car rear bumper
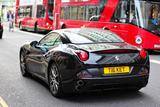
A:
114	83
107	83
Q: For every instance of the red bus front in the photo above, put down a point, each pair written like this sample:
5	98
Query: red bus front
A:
136	21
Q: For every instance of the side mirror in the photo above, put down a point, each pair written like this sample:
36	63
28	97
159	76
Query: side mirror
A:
34	43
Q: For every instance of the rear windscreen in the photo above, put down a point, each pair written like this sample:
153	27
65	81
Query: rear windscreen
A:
92	36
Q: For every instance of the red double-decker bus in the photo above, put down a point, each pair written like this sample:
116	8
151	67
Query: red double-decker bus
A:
34	15
136	21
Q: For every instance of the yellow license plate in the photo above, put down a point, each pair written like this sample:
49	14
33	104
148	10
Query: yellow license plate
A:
116	70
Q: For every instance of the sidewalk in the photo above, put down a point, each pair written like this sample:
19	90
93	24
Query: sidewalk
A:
6	26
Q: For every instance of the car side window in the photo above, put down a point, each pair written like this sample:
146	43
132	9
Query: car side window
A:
53	39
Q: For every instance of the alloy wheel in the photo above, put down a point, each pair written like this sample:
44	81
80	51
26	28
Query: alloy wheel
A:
54	80
23	65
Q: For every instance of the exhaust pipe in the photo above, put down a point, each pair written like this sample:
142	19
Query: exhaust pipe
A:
79	85
78	88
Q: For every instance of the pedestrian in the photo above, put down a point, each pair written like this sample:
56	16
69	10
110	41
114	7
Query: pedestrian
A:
11	20
7	16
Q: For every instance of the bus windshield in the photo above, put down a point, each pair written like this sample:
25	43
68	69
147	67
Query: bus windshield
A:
50	9
142	13
145	14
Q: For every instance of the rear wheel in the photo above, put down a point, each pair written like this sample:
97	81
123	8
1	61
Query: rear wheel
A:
36	28
63	26
24	71
55	81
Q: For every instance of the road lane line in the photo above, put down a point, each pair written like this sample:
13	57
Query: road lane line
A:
3	103
155	61
31	33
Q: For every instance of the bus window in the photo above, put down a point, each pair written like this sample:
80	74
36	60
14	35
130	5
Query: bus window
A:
87	12
28	11
41	11
50	9
81	13
92	11
65	12
74	12
121	14
95	12
20	11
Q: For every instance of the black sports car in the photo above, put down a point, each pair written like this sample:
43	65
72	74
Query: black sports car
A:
78	60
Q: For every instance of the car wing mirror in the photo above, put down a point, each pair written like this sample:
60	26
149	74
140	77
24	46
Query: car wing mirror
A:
34	43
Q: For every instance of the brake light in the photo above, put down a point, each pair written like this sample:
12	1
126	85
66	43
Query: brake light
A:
82	55
114	51
143	53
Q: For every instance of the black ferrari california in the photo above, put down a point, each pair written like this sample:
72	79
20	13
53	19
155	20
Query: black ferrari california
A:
85	59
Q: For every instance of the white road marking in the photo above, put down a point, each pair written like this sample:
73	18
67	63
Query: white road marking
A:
31	33
3	103
155	61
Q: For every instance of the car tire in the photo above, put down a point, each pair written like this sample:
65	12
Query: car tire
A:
23	68
36	28
63	27
55	85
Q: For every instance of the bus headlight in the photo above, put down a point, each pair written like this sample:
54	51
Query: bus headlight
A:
138	40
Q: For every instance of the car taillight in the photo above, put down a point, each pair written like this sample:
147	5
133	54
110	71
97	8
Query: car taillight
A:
82	55
143	53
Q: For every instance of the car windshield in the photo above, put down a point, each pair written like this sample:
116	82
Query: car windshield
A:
146	14
92	36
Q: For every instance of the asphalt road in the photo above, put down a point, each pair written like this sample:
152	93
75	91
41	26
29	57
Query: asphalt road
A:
17	91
